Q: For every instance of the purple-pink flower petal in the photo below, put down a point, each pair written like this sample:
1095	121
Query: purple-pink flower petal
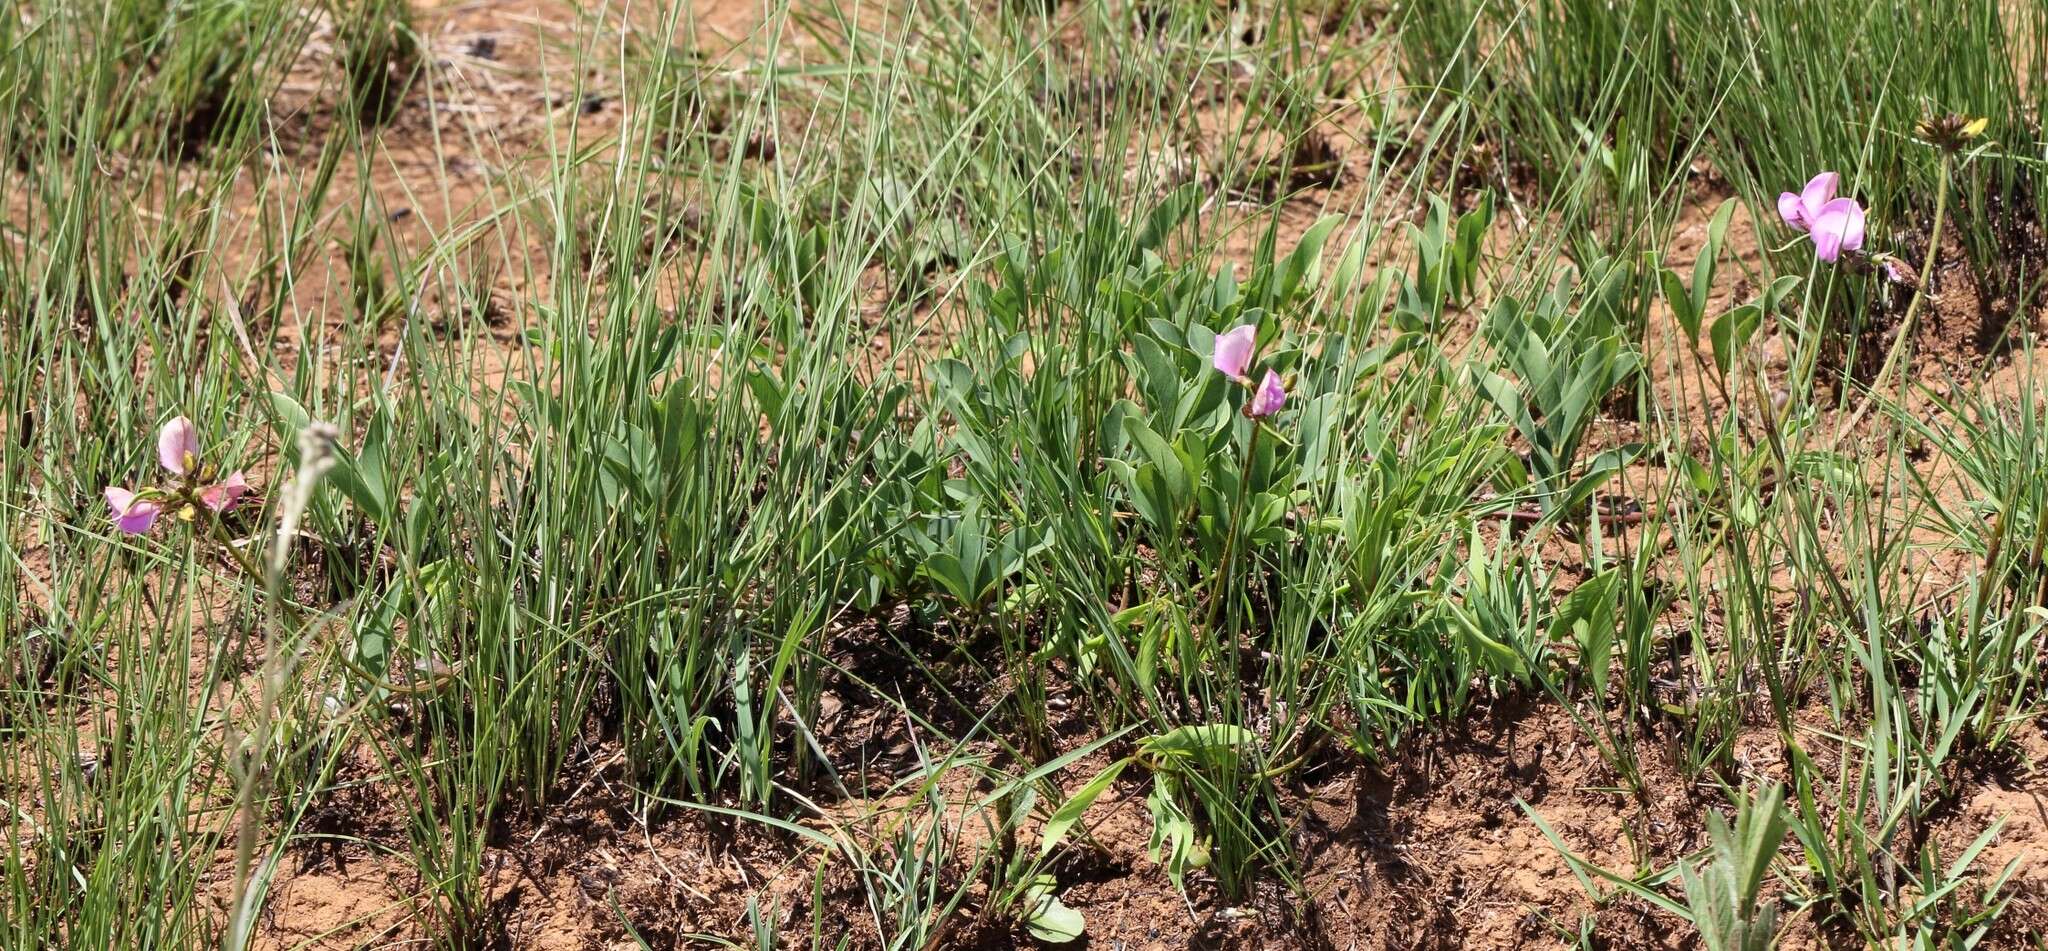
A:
224	496
1818	192
1790	210
1801	210
177	446
132	515
1837	228
1268	398
1234	350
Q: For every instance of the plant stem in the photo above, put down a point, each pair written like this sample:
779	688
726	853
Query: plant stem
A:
1899	343
241	559
1224	570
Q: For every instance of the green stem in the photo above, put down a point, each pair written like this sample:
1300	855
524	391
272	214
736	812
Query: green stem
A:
1224	571
241	559
1900	342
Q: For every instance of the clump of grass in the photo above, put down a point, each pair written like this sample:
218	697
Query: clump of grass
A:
380	57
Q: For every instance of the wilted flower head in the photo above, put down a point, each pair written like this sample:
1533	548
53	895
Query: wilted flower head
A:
177	450
1234	350
1268	398
1952	132
1896	271
1802	209
433	673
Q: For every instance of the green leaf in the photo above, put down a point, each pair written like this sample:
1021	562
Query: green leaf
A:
1698	474
1471	232
1731	331
363	477
1049	920
1302	261
1159	377
359	477
1204	743
1710	256
1161	455
945	569
1778	291
1586	618
1680	301
1171	211
1643	887
1759	828
291	418
768	393
1597	472
1069	812
1348	268
1153	498
1509	399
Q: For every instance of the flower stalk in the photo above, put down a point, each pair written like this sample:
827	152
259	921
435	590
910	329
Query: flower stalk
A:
1905	335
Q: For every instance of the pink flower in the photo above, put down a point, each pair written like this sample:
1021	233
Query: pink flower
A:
177	446
1268	398
1801	210
177	450
132	515
1234	350
1837	228
223	496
